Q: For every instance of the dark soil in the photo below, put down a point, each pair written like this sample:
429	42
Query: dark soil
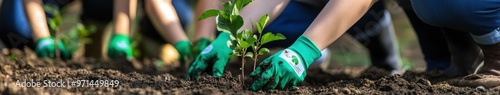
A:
140	78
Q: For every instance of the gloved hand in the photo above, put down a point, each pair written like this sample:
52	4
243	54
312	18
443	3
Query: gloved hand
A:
119	47
216	55
46	48
286	68
201	44
184	49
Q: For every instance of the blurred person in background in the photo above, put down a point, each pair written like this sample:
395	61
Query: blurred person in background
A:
449	51
166	22
14	30
94	12
24	16
480	19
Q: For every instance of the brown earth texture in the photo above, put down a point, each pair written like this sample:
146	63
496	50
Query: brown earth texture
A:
19	65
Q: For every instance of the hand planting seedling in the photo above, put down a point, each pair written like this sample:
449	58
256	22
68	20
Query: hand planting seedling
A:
238	42
268	37
65	40
54	24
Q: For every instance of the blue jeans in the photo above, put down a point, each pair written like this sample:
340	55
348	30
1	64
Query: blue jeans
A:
481	18
14	29
441	46
431	39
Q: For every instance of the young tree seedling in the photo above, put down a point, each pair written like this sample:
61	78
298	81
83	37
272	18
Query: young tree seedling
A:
229	20
77	34
263	39
54	24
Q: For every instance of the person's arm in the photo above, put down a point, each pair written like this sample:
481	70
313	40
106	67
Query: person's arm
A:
334	20
122	14
164	18
45	44
34	10
119	44
205	28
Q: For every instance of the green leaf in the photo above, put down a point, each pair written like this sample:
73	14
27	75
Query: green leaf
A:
82	32
237	53
227	23
231	37
244	44
51	9
236	23
262	23
280	36
136	52
52	24
251	41
224	15
233	52
12	57
208	13
263	51
235	11
58	20
227	7
223	24
245	34
232	55
249	54
232	44
269	37
242	3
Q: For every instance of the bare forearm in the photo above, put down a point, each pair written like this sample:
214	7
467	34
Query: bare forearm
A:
253	11
122	19
205	28
335	19
36	18
164	18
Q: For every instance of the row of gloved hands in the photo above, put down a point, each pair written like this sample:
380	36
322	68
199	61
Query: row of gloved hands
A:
284	69
118	48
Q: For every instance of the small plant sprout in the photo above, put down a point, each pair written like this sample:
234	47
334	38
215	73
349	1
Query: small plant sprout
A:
263	39
54	24
77	34
229	20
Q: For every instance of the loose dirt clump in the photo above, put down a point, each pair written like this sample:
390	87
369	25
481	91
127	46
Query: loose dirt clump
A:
140	78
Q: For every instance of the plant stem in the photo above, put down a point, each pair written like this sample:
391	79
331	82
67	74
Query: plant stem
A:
243	67
256	51
58	56
255	54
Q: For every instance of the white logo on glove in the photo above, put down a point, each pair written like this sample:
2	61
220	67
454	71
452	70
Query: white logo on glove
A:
207	49
293	60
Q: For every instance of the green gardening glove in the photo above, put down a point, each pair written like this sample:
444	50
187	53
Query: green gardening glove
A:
200	45
184	49
215	55
46	48
286	68
119	47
